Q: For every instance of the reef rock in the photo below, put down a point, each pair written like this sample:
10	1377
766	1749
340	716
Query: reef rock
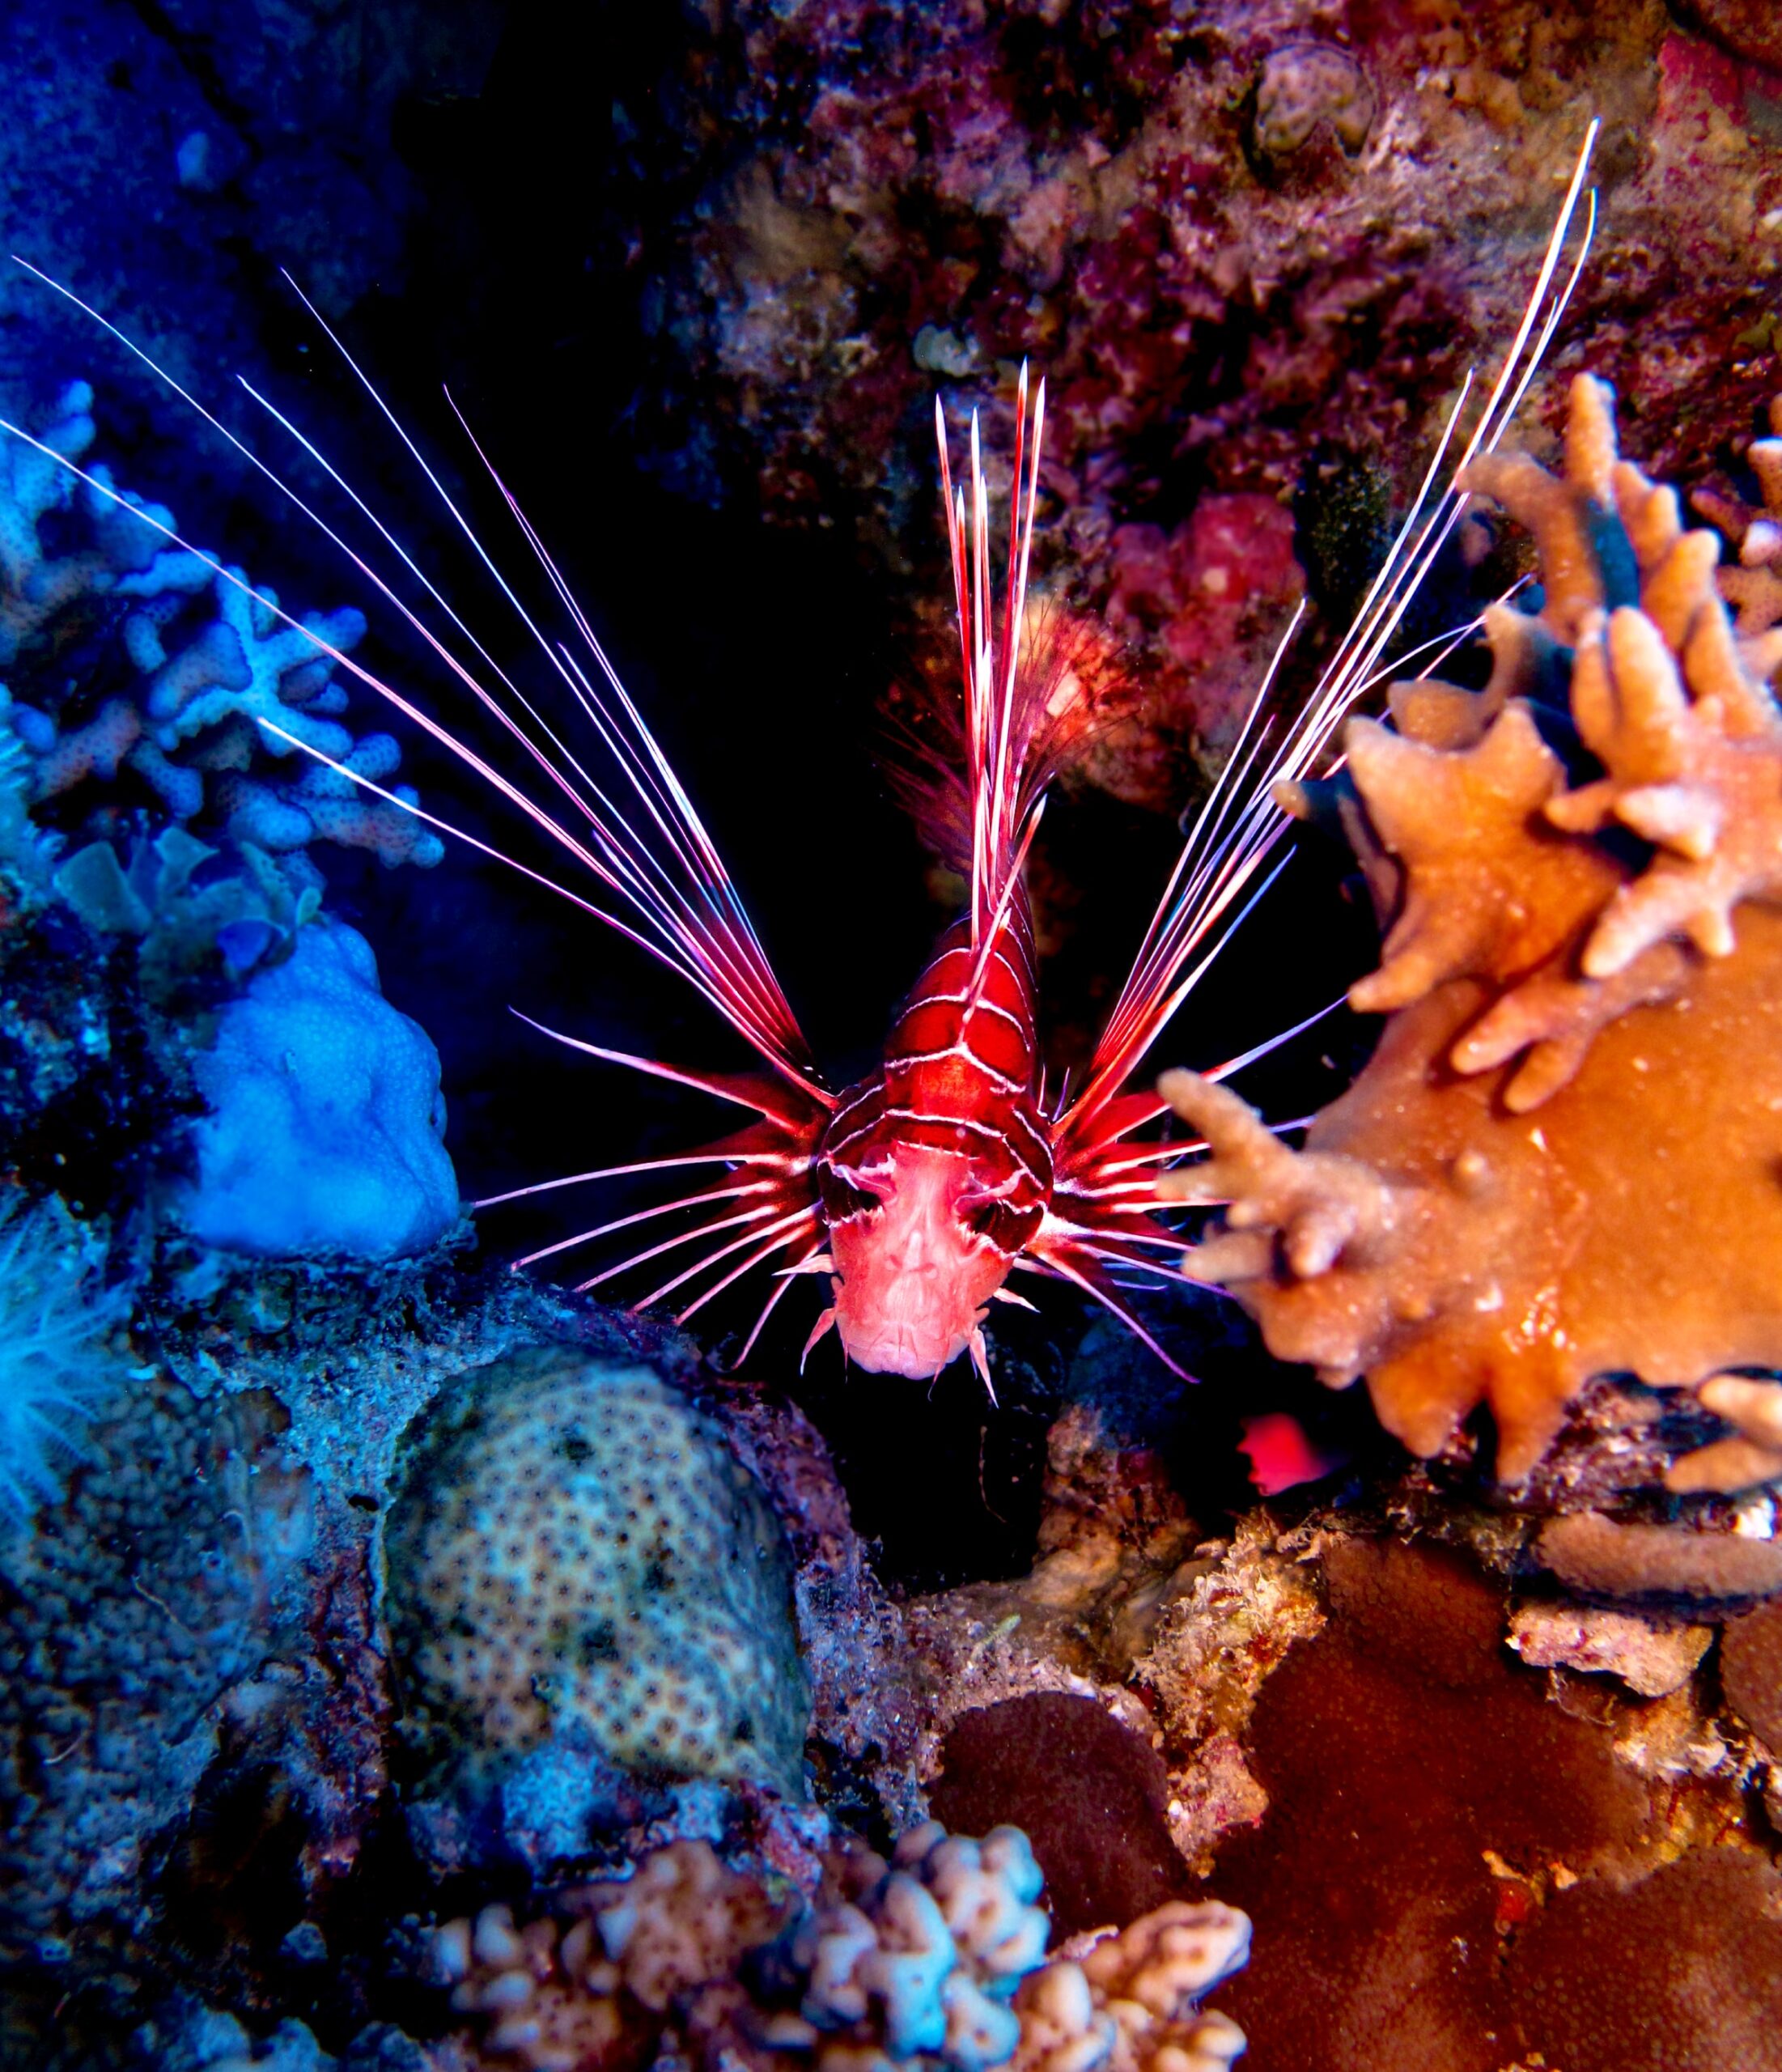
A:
1253	248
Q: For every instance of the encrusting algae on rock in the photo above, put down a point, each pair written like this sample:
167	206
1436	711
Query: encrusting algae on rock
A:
1562	1160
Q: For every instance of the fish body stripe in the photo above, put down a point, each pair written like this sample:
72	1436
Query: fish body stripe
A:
958	1077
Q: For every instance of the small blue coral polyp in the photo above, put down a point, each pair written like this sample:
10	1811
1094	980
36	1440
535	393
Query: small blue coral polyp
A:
574	1552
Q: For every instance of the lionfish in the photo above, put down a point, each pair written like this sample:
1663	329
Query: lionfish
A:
918	1191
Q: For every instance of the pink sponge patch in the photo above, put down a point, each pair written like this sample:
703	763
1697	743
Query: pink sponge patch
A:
1281	1453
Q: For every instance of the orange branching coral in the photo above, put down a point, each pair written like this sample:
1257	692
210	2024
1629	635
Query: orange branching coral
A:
1754	586
1565	1157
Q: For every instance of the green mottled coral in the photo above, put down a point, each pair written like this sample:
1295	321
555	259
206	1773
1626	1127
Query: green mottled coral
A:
574	1547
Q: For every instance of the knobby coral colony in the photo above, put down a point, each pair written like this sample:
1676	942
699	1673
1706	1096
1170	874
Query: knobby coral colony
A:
919	1190
1562	1160
935	1961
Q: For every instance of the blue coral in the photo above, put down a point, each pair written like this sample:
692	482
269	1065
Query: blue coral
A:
326	1124
929	1959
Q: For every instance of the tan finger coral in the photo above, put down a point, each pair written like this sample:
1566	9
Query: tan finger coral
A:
1565	1157
934	1962
1131	2003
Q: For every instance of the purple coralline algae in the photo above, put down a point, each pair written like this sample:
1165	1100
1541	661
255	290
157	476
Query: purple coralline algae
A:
1253	248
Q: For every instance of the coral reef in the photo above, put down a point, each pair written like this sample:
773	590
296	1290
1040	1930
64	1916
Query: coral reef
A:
1753	586
141	1608
1561	1159
326	1118
934	1959
576	1553
138	676
182	721
414	1669
94	1082
187	2036
197	1722
197	931
1130	1609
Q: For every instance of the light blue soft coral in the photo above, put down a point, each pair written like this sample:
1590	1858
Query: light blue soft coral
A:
54	1370
325	1135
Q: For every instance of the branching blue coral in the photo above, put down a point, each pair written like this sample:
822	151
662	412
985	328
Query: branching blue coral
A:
54	1372
186	727
931	1955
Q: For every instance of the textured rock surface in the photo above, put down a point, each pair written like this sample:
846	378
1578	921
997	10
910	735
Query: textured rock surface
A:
1652	1659
1253	248
167	150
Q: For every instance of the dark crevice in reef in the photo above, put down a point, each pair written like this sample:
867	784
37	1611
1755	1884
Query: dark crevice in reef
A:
194	55
944	1486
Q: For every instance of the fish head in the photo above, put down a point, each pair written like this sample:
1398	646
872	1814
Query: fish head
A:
913	1266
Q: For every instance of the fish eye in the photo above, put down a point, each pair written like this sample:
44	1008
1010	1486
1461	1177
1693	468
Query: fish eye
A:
843	1197
985	1218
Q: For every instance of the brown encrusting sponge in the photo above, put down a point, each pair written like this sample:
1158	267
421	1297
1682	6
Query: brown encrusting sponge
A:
1565	1157
1455	1874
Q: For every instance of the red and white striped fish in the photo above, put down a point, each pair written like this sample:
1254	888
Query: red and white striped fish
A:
919	1190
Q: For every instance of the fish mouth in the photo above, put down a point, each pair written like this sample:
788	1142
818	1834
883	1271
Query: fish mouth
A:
903	1348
